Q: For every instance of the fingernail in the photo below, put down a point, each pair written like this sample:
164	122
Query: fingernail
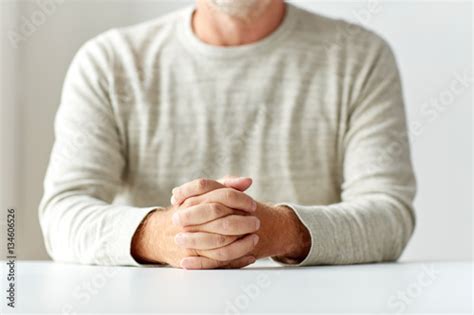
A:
251	260
179	239
174	190
257	223
255	239
173	200
235	179
175	218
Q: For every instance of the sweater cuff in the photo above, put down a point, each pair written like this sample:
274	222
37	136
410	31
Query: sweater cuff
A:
306	216
126	222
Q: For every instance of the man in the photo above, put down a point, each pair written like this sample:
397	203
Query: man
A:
309	108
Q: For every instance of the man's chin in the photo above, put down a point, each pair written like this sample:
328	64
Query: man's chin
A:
239	8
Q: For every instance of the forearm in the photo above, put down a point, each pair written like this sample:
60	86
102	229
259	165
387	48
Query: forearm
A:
79	221
83	229
367	229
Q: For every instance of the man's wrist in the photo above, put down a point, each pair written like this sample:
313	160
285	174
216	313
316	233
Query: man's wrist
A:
282	234
143	249
296	243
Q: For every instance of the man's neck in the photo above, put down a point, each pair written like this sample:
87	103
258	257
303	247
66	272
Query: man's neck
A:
219	29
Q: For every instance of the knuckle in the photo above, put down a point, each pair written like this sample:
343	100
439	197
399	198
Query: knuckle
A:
186	203
177	192
184	216
222	254
188	229
250	201
228	224
229	194
246	200
216	209
189	202
202	183
221	240
191	242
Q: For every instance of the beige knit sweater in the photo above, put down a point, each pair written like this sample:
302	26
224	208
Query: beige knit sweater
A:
313	113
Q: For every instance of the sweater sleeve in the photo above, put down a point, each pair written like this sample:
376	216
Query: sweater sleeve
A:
79	221
375	219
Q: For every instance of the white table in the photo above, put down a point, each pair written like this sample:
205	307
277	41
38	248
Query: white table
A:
262	288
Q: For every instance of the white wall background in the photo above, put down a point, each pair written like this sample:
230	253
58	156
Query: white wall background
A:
433	43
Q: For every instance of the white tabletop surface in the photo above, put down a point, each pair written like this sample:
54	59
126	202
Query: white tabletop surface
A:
262	288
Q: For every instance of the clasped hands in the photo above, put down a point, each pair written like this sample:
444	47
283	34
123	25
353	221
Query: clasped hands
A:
214	224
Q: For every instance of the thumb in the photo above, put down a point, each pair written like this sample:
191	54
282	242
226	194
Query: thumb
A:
239	183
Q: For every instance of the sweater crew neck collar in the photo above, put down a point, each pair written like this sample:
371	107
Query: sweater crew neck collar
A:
196	45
